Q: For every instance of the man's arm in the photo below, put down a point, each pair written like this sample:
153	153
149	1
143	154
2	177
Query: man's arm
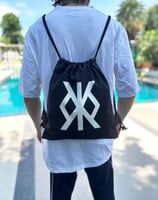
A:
33	106
124	105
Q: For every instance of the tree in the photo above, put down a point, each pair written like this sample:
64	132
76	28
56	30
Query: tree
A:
148	48
4	40
11	28
152	18
131	15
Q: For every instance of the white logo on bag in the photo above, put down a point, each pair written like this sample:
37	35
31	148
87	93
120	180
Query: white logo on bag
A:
79	102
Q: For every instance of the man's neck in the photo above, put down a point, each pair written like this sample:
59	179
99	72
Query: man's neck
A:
75	4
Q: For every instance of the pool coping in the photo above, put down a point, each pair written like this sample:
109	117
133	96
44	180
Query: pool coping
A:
5	74
148	80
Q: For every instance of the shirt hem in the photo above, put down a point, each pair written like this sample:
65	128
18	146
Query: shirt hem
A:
79	167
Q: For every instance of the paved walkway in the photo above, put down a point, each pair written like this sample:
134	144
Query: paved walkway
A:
23	175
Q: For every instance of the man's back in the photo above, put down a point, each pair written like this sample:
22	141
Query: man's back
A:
76	31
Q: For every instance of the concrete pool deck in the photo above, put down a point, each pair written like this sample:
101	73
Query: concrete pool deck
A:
23	175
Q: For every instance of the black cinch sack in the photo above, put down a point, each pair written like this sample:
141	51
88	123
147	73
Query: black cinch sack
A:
79	103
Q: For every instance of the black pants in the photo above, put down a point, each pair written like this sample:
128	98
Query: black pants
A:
100	179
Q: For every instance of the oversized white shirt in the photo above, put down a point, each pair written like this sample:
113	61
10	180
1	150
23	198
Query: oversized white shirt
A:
76	31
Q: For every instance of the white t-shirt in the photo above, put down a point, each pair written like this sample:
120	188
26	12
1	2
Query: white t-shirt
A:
76	31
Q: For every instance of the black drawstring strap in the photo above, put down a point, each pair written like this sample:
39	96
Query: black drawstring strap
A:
103	34
50	37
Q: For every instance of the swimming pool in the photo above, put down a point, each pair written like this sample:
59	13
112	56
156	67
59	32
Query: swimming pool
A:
11	101
148	92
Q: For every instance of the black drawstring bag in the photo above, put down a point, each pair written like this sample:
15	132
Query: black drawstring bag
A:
79	103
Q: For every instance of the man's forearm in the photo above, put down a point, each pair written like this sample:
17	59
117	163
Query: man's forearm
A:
33	106
124	106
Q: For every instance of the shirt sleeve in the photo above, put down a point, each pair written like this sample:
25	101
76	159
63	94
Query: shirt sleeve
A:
29	84
125	74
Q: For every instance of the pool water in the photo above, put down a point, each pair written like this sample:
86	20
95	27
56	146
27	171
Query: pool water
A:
148	92
11	101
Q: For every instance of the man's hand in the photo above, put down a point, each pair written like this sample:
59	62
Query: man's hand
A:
124	106
39	136
118	129
33	106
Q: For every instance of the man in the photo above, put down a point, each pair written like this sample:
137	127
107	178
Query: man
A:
76	29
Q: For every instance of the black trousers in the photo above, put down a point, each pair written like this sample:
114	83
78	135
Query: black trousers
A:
100	179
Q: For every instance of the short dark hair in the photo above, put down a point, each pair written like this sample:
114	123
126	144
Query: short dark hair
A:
65	2
56	2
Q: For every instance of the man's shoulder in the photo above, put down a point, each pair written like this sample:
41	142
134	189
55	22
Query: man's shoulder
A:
117	26
35	27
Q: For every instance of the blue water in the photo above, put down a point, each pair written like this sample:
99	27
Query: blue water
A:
148	92
11	101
